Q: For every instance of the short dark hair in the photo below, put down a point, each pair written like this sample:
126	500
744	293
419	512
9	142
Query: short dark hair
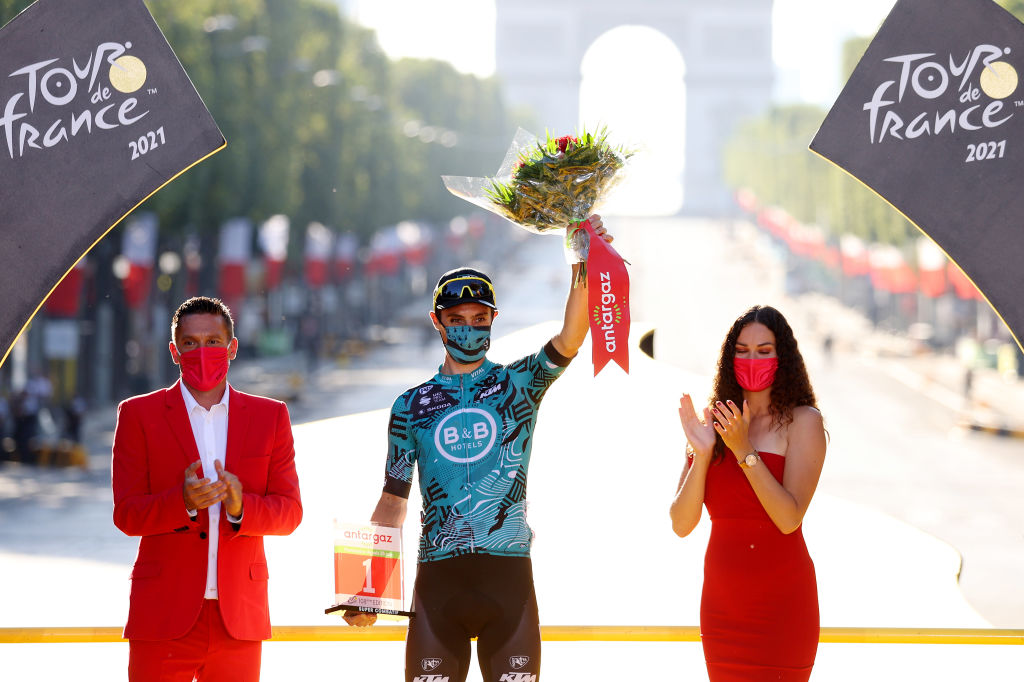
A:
203	305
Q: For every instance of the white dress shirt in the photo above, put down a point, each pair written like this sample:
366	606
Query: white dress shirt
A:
210	430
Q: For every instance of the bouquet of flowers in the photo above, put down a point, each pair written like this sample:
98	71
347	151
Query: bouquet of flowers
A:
552	185
549	185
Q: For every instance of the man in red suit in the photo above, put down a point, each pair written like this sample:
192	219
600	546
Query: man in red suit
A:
201	472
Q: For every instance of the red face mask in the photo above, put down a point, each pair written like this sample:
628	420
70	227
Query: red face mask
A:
755	374
204	367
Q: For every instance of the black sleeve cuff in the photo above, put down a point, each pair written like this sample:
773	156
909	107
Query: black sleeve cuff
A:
555	356
393	486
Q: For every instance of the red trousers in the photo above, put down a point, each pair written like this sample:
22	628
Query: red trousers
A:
207	652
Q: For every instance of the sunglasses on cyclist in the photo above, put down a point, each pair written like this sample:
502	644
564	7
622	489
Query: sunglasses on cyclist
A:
465	289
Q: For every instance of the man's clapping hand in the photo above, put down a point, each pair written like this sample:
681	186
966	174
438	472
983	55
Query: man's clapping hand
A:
200	493
233	496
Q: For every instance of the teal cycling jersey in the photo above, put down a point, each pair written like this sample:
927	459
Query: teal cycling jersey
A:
470	435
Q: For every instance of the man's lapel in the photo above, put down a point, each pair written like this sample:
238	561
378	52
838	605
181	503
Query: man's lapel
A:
238	426
181	427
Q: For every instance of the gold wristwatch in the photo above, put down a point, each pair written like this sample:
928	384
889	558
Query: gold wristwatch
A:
751	460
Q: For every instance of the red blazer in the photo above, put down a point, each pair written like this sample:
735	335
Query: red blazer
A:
153	444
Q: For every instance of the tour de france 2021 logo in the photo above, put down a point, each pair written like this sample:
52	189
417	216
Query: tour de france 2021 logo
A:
466	435
53	101
929	94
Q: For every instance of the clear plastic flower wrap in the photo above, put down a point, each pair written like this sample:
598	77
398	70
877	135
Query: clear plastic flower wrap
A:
549	185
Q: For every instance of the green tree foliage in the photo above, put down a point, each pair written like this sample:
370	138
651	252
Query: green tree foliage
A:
317	120
10	9
1015	7
465	118
853	50
769	156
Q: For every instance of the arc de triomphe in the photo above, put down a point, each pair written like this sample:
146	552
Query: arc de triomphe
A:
726	47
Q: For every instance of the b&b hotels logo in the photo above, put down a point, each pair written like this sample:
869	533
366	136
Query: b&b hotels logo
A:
465	435
84	94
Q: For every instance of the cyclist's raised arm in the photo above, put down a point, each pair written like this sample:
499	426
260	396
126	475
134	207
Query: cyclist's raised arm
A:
575	324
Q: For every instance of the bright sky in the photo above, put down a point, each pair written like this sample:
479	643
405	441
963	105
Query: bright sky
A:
807	36
643	107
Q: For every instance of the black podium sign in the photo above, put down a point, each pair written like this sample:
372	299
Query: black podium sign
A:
932	119
96	114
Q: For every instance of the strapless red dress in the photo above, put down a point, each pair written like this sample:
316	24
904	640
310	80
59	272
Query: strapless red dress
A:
759	607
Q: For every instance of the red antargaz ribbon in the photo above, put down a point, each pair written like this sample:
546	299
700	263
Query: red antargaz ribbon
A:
607	303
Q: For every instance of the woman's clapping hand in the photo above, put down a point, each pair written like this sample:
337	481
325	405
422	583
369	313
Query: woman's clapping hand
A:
699	433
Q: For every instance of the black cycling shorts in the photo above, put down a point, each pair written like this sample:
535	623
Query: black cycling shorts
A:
475	595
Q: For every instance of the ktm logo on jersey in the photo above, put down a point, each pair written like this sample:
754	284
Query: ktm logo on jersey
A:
489	391
430	678
518	677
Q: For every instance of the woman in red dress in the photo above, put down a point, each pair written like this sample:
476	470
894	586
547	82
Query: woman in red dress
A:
754	462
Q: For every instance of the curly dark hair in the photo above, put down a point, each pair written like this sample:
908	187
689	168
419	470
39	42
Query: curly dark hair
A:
791	388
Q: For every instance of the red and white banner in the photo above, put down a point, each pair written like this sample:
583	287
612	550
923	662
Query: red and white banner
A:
415	242
138	246
456	234
607	303
193	258
854	256
346	250
746	200
319	243
233	255
931	268
273	240
890	271
385	253
776	221
962	285
66	298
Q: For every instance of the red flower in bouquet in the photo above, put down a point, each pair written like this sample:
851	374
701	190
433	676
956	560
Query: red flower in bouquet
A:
564	142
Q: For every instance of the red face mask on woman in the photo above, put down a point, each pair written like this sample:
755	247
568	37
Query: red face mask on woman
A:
755	374
204	367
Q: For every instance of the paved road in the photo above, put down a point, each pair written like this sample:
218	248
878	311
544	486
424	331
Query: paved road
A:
896	467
